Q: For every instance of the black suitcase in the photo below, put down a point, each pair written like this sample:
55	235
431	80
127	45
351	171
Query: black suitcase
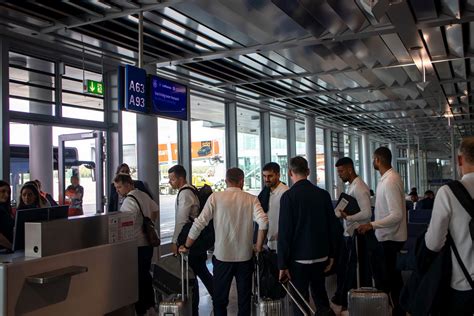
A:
167	275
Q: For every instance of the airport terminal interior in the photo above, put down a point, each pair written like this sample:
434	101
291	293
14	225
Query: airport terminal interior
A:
82	84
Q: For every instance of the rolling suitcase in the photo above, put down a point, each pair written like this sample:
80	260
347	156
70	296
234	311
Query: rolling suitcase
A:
366	300
298	299
265	306
178	304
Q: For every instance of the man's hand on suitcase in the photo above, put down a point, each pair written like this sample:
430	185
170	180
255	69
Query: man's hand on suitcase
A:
183	249
329	266
284	276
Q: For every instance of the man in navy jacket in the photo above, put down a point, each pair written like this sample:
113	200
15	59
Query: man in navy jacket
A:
308	235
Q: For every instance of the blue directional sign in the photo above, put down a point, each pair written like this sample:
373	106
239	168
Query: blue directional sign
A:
135	89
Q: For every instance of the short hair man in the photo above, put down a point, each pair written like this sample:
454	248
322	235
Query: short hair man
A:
116	200
187	209
390	227
347	261
449	216
233	212
124	186
307	235
270	200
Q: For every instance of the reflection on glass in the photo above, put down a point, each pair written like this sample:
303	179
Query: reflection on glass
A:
279	145
320	161
167	157
208	142
248	148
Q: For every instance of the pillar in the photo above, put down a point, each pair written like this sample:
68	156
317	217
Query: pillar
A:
366	158
310	131
41	136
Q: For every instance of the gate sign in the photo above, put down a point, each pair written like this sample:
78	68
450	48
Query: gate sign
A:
135	89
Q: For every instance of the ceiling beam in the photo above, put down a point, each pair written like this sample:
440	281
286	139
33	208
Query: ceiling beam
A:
91	18
310	40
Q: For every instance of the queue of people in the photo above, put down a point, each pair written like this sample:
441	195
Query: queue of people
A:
299	225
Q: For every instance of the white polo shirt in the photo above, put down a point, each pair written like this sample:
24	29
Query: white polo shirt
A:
274	214
448	214
390	210
359	190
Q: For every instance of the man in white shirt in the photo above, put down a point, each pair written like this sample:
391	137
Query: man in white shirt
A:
124	185
450	216
186	210
347	261
233	212
390	227
270	200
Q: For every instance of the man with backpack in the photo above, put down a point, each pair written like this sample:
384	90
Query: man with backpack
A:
233	212
187	208
453	216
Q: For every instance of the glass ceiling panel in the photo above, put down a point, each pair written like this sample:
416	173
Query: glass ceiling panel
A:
269	63
177	16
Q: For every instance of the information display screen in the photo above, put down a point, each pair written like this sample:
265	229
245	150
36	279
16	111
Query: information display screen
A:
168	98
135	89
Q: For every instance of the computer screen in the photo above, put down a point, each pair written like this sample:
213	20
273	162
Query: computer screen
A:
23	216
58	212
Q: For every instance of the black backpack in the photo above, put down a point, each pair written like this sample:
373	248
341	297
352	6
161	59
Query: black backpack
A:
207	238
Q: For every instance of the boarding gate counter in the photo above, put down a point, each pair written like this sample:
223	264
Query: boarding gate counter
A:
85	265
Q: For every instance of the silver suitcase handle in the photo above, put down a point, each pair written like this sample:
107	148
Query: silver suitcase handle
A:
288	288
183	294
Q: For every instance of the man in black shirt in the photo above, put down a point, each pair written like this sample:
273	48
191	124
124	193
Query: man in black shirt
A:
308	235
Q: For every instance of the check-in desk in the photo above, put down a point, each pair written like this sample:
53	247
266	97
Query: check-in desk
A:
70	267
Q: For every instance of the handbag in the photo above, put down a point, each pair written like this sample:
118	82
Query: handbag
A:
148	227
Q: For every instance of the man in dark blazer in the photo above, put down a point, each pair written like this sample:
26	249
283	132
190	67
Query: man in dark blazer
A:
308	235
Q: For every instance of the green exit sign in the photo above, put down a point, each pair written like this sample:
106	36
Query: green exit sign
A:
94	87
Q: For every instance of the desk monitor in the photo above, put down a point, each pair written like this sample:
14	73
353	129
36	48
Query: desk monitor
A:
58	212
23	216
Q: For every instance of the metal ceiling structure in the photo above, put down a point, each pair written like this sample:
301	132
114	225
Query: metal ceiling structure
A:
391	68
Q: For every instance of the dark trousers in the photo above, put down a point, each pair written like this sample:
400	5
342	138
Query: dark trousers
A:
146	298
198	265
386	276
459	303
224	272
305	276
347	267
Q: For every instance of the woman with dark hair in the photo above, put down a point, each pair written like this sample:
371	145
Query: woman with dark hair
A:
29	197
6	216
43	202
115	200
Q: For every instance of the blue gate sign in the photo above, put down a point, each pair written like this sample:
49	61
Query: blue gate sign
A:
135	89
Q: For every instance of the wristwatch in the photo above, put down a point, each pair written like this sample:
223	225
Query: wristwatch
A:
186	247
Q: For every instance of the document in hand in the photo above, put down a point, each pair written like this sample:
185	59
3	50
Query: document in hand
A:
347	204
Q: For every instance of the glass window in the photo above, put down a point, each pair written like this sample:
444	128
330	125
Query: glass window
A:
300	140
89	107
347	145
279	145
208	142
248	148
129	141
31	83
320	159
167	157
